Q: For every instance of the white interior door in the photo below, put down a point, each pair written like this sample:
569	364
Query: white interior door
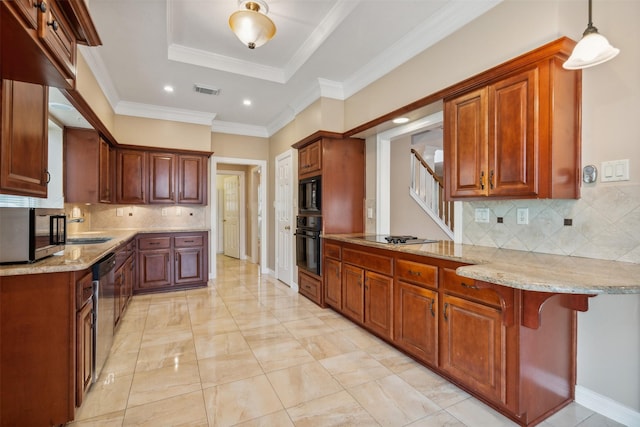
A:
231	214
284	219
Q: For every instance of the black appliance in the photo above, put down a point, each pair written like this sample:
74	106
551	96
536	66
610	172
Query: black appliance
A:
30	234
308	229
310	196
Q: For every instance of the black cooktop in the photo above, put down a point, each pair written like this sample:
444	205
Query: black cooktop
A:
398	239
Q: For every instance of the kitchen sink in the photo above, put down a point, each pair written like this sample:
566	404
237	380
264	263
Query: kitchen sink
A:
87	240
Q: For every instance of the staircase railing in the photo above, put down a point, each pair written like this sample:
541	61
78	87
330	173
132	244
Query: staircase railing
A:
427	189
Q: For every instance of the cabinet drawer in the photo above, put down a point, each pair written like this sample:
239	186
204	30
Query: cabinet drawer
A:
332	250
310	287
188	241
27	9
418	273
380	263
84	290
58	39
154	243
465	287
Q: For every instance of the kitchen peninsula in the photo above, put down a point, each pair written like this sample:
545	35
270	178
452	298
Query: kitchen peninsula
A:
499	323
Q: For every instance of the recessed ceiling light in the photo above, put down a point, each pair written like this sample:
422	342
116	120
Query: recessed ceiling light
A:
168	88
246	102
400	120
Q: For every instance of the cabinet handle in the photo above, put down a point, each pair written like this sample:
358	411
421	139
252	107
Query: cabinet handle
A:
464	285
414	273
446	305
491	179
433	312
48	176
188	241
42	6
482	180
53	24
154	243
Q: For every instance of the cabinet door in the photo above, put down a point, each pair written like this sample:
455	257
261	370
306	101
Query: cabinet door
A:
513	134
105	173
23	139
310	160
188	265
192	180
84	350
118	290
154	269
162	177
58	38
473	346
416	321
82	151
332	283
353	292
378	300
131	177
465	139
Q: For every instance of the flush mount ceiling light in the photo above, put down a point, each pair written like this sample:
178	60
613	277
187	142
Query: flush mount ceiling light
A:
592	49
251	25
400	120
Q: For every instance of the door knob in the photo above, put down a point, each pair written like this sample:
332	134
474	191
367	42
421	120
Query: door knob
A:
286	227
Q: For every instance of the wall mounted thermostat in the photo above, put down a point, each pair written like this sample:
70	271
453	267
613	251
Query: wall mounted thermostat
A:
589	174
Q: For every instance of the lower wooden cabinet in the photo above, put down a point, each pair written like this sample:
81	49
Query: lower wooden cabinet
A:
168	261
310	286
498	343
84	336
125	277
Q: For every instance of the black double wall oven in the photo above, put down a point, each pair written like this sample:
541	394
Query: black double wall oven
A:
309	225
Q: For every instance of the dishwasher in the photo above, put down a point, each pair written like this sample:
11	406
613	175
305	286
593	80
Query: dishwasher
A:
103	312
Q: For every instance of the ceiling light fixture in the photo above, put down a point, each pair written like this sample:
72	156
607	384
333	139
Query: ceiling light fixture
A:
400	120
592	49
168	88
246	102
251	24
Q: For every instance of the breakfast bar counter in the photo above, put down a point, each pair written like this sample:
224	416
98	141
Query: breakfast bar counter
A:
522	270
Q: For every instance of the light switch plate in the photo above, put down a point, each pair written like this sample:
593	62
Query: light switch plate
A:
522	216
615	170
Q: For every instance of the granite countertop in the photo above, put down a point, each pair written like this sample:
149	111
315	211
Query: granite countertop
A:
80	257
524	270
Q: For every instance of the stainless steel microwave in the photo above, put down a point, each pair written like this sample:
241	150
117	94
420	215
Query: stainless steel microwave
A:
30	234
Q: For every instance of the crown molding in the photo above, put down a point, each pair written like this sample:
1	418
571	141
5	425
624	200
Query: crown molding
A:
220	126
149	111
94	60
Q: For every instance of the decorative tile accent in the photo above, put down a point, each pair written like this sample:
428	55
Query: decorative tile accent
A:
606	224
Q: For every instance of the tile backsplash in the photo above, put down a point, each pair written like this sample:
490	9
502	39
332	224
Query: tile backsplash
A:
99	217
605	224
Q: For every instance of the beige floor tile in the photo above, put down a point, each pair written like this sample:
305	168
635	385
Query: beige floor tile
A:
232	403
308	327
572	415
276	303
473	413
393	402
170	381
329	345
121	363
278	419
360	337
126	342
354	368
113	419
184	410
291	313
439	419
227	368
215	326
106	396
302	383
159	356
255	320
221	344
436	388
393	359
201	315
168	335
266	334
280	354
338	409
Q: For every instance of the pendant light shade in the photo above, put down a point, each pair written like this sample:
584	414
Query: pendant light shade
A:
592	49
251	24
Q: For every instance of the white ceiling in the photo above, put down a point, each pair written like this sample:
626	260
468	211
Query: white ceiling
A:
329	48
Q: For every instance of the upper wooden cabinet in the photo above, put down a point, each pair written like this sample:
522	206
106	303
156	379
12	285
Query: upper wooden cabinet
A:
177	178
131	176
24	139
514	131
310	160
40	39
88	167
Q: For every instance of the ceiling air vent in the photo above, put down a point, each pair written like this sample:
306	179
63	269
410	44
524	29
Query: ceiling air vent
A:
207	90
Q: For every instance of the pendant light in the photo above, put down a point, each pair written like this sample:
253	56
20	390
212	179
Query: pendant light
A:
251	24
592	49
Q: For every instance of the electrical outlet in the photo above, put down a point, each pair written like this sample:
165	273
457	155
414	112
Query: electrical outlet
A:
164	211
522	216
482	215
178	211
119	212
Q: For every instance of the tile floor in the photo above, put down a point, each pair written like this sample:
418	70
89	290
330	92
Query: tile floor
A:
248	351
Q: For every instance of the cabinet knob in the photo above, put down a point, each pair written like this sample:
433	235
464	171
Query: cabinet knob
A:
42	6
53	24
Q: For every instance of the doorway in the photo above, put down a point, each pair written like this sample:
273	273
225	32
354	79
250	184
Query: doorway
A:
258	237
